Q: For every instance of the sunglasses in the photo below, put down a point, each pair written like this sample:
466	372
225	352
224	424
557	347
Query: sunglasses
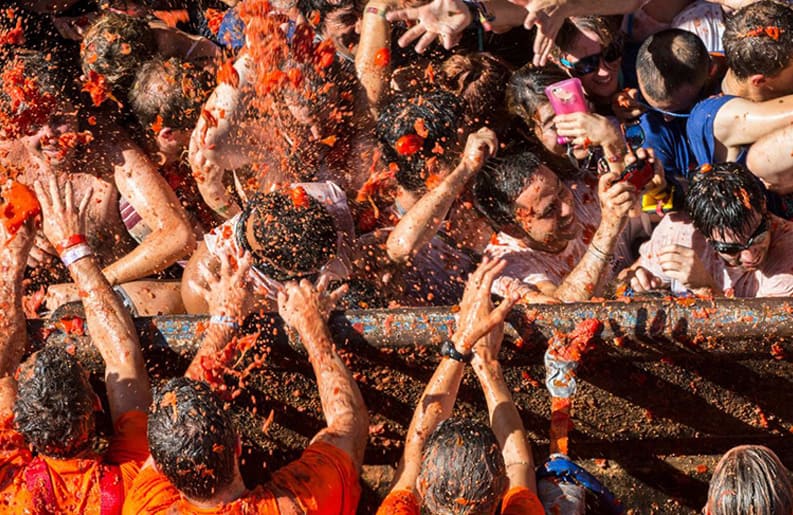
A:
731	249
591	63
634	135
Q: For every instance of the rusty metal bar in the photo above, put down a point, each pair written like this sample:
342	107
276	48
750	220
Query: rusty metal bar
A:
674	319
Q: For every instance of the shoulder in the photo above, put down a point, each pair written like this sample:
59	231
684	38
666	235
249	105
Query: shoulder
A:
151	492
323	476
400	502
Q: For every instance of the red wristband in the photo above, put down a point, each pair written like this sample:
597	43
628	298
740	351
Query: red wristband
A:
71	241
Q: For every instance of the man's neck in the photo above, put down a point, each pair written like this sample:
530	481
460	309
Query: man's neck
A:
231	493
732	85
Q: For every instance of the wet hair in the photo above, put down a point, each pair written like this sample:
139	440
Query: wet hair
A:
192	438
479	79
295	235
724	197
749	49
750	479
526	90
172	89
670	60
116	46
605	27
462	469
54	409
499	184
440	112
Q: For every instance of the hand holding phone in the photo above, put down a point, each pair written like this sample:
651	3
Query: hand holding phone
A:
638	173
567	97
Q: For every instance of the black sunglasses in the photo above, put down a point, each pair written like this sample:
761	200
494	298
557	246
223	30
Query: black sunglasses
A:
591	63
734	248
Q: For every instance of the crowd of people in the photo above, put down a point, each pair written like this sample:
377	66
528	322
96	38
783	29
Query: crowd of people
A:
228	157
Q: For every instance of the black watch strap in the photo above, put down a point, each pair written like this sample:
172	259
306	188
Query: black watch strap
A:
448	351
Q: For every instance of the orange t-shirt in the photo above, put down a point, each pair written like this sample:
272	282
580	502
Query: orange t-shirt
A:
75	482
518	501
324	481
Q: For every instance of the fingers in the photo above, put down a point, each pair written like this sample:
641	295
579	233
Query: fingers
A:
68	197
322	283
409	14
502	310
43	197
494	270
336	295
412	34
55	195
83	209
425	41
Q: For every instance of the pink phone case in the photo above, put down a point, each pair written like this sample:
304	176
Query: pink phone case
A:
567	97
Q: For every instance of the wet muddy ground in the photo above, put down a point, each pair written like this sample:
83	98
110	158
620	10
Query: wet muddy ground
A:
650	418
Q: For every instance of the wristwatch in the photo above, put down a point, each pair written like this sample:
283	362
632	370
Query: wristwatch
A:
448	351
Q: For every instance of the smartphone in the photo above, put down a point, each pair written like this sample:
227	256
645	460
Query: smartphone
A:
567	97
638	173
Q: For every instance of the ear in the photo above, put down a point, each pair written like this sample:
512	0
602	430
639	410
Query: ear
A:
238	447
167	134
757	80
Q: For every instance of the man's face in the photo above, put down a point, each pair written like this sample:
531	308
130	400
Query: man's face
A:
602	82
43	144
747	251
780	84
342	27
679	101
545	211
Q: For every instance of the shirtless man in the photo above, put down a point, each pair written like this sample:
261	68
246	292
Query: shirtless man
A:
38	141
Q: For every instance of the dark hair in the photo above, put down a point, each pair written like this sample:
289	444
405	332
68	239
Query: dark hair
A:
192	438
54	409
751	49
439	111
295	235
172	89
480	80
606	28
526	90
750	479
462	462
669	60
499	184
724	197
116	46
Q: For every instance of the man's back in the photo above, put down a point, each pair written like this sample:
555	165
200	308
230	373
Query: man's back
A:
47	485
323	481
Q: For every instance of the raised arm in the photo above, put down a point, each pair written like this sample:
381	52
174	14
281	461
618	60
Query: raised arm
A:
373	56
422	221
477	318
13	334
219	141
504	418
172	237
109	324
228	295
616	199
305	309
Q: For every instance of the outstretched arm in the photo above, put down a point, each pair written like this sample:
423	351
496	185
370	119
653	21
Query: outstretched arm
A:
373	57
422	221
305	309
229	298
110	325
13	335
477	318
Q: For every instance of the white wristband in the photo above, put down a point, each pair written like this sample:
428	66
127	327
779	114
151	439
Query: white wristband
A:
75	253
224	320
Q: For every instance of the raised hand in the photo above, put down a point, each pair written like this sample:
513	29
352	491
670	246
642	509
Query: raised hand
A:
477	317
443	19
61	220
227	289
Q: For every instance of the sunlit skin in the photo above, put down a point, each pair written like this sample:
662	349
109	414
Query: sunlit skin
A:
603	83
754	257
546	213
